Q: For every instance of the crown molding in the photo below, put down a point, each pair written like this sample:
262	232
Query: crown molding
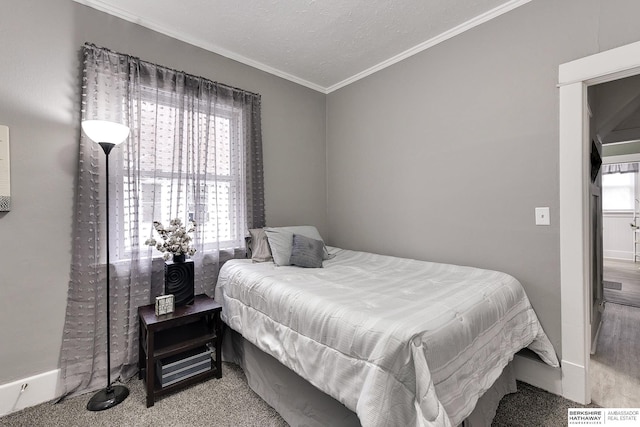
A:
152	25
472	23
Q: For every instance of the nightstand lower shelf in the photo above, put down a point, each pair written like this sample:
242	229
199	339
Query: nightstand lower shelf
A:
187	333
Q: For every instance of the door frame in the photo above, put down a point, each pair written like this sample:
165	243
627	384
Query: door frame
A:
575	264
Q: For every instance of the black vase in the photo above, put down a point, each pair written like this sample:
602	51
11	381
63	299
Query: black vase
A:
178	280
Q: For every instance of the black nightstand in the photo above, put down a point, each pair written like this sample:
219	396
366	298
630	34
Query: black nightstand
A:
177	339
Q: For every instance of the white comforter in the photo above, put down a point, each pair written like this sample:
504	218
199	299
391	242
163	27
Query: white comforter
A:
400	342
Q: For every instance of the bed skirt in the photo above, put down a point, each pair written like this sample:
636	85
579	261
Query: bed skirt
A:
301	404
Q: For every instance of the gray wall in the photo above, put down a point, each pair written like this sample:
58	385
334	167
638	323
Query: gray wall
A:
445	155
39	87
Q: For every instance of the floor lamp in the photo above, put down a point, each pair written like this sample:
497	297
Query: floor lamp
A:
108	135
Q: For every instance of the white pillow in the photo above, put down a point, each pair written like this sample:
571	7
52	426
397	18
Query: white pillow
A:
260	251
281	241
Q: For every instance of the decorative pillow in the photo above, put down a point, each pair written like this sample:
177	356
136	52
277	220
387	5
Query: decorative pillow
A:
259	247
283	238
306	252
280	242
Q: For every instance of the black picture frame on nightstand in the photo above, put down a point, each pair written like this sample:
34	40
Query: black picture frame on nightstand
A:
186	333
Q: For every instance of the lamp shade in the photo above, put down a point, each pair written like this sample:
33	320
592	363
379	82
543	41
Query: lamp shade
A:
105	131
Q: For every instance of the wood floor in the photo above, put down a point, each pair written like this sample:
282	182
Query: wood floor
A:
628	274
614	369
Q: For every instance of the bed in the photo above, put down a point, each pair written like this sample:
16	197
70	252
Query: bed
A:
396	341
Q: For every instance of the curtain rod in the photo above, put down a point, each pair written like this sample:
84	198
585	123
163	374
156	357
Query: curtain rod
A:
93	46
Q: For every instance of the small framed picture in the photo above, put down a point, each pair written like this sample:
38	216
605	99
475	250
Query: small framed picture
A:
164	304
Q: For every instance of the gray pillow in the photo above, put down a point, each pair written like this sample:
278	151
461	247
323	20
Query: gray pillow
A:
281	238
306	252
260	251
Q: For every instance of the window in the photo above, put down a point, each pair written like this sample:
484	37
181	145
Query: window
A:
190	166
618	191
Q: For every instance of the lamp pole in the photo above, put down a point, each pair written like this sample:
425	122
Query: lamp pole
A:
106	146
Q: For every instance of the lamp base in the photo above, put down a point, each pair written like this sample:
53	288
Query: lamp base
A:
108	398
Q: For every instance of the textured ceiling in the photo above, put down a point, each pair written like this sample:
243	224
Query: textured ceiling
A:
322	44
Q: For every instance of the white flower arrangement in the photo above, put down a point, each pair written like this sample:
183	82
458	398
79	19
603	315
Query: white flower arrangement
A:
176	240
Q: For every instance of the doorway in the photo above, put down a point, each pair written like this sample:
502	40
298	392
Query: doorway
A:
575	259
612	367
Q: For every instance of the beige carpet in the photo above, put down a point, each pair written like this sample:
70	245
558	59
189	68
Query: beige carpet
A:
532	407
229	402
224	402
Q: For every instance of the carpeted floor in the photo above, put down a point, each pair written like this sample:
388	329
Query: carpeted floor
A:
225	402
533	407
229	402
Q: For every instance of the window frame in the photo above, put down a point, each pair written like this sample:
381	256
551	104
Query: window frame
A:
234	178
634	192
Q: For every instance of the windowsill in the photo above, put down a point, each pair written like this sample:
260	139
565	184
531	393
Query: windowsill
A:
159	258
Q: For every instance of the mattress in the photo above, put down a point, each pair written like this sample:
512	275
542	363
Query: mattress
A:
397	341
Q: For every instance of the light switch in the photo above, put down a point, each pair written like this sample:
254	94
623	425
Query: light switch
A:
5	175
542	216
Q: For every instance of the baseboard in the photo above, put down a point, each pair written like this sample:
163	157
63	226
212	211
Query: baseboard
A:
538	374
618	255
28	392
574	386
594	343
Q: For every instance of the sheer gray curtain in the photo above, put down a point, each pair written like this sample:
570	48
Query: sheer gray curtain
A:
194	153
